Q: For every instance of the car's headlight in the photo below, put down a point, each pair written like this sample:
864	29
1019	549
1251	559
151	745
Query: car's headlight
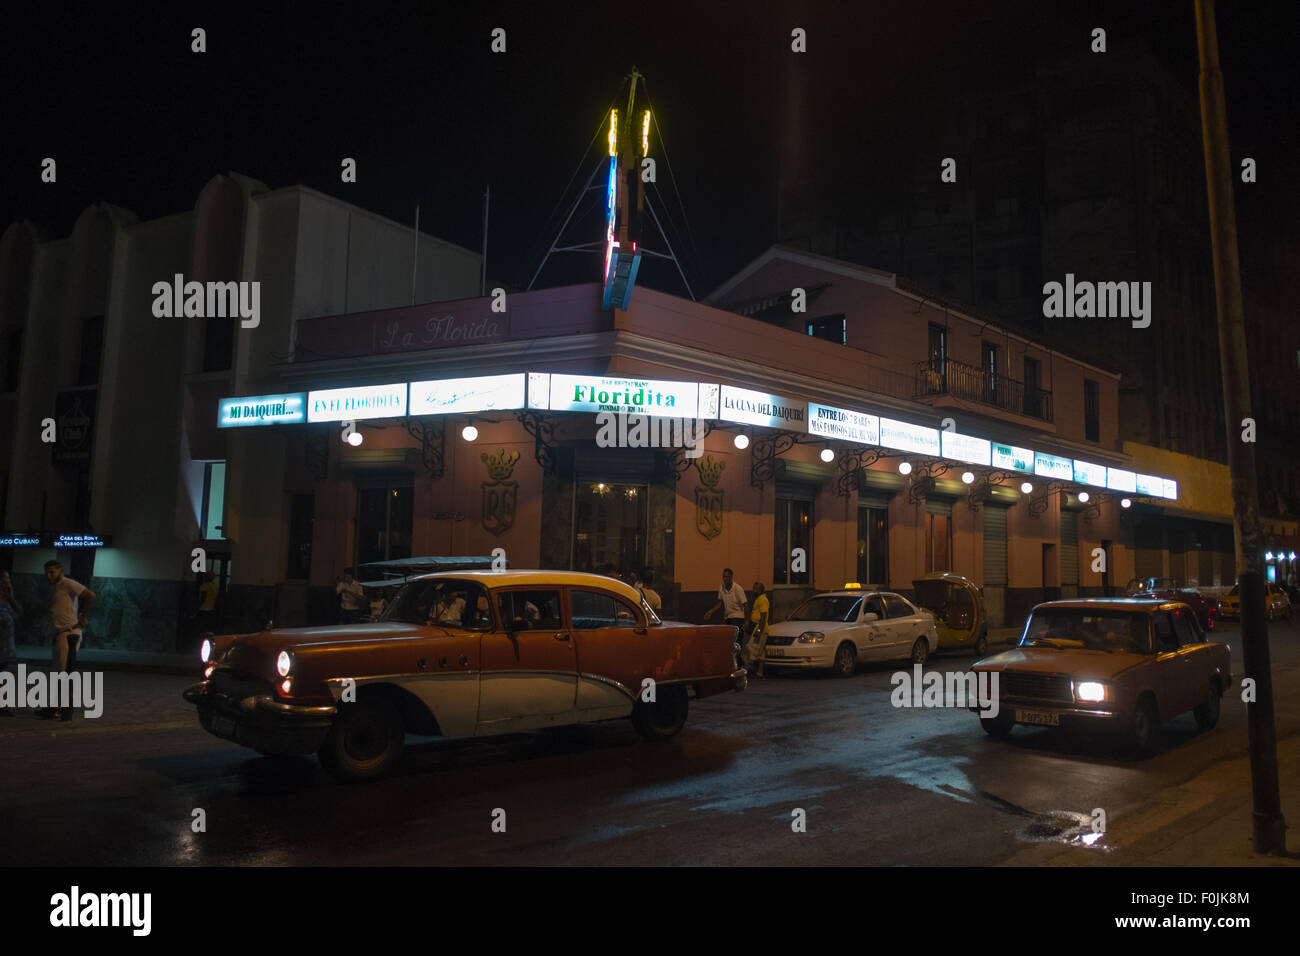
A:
1090	691
283	663
205	652
811	637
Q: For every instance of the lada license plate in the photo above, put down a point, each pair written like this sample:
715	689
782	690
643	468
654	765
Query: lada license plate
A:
1045	718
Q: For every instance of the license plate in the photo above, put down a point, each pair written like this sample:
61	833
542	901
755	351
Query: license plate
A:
775	652
1045	718
223	726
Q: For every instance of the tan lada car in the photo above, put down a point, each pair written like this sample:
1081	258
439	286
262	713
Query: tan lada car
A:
464	653
1125	664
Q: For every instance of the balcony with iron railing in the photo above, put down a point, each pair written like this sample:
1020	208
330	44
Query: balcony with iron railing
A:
962	381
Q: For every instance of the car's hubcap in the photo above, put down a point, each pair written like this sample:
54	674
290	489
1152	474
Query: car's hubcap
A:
366	738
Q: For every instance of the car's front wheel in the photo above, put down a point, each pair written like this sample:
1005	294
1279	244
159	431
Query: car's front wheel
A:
999	726
365	741
664	717
1144	725
1207	713
846	660
920	651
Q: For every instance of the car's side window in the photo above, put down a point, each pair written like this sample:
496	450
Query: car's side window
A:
1185	627
593	610
540	608
876	606
1166	638
897	606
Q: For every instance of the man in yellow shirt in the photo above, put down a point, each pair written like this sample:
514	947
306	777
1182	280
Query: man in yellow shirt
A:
758	625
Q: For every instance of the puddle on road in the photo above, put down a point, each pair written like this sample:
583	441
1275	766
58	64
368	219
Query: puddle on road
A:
1062	826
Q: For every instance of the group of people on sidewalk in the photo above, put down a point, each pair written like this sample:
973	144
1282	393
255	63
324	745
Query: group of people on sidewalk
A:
733	603
70	604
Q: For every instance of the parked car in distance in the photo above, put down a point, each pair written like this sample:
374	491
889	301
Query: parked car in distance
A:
1277	603
838	629
1124	664
465	653
958	606
1167	589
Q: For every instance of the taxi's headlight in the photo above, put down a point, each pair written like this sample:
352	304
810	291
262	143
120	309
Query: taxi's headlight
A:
205	652
1090	691
283	663
811	637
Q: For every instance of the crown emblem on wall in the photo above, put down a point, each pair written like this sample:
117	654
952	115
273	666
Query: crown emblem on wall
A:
710	470
501	464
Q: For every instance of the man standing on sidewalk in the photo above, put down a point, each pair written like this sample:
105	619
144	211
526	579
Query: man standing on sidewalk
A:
731	601
68	620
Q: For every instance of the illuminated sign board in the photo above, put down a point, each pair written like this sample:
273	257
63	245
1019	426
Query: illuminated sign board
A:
842	423
1050	466
539	390
709	400
80	541
1009	456
262	410
357	404
1086	473
19	541
1151	485
589	393
905	437
968	448
485	393
1117	479
759	408
1169	489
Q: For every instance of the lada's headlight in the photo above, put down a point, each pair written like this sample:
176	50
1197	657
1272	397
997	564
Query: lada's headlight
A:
1090	691
811	637
283	663
205	652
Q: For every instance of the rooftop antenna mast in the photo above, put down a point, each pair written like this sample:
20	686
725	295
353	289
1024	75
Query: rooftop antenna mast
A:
625	203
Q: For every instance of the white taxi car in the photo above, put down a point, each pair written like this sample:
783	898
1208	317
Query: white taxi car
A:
837	629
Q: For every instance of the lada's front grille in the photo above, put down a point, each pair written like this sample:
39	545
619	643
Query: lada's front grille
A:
1037	686
779	640
238	686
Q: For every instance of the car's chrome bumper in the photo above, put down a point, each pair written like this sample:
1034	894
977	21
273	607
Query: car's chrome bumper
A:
260	721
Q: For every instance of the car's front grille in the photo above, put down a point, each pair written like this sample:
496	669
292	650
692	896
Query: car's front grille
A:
238	686
1037	686
779	640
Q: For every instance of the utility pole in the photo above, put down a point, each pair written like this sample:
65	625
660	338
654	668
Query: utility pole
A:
1269	826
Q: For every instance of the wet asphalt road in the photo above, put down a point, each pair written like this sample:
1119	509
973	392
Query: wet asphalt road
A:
879	785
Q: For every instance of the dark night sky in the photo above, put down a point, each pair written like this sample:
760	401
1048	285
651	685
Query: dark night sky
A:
135	119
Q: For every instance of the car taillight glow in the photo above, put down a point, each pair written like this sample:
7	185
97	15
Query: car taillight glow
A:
286	686
207	671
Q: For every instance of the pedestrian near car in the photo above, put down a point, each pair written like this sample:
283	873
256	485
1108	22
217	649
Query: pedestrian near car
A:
70	604
351	594
758	616
731	601
207	611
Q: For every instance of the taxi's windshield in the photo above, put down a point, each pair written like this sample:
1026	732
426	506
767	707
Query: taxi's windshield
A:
1075	628
828	607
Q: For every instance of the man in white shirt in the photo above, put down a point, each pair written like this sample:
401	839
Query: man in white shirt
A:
351	594
67	618
731	601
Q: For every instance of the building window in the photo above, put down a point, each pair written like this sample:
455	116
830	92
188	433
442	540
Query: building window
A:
1091	410
989	363
938	349
92	349
302	514
832	328
384	513
610	526
873	546
938	550
218	344
793	530
1033	390
214	500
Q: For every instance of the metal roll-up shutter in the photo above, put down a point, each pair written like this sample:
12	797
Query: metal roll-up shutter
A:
995	545
1069	548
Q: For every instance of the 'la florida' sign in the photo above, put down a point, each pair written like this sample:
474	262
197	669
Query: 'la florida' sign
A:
585	393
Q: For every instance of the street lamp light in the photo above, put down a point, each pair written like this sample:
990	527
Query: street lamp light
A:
1125	503
828	455
1026	487
904	467
967	477
469	433
1083	497
741	441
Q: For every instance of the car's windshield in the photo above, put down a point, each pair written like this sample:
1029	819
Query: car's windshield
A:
446	601
1085	628
828	607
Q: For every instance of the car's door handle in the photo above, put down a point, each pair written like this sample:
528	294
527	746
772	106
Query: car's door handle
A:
562	637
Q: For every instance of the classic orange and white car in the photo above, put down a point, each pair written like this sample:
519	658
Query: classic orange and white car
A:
461	654
1126	664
